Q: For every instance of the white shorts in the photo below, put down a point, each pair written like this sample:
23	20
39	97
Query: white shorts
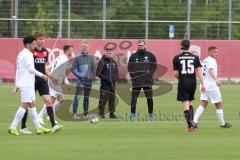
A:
215	96
53	92
27	94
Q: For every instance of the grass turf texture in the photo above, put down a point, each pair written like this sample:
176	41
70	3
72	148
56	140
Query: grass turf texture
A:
123	140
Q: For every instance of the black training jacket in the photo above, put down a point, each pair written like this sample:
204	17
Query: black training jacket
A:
107	71
141	67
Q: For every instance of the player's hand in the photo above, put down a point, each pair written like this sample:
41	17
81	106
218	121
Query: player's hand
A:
218	82
14	90
203	89
45	77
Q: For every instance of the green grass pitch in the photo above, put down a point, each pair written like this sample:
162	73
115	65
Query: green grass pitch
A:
125	140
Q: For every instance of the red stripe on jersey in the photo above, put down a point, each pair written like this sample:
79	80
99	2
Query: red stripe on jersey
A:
40	54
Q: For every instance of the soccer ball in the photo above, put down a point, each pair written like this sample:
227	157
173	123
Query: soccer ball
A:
93	118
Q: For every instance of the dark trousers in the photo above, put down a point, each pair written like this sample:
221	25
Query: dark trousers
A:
148	93
106	96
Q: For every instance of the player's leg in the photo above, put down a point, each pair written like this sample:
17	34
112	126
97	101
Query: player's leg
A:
56	97
47	100
190	96
184	96
34	116
187	113
200	110
24	121
26	97
191	111
18	117
216	99
43	91
134	97
42	113
57	102
148	94
204	102
102	102
219	113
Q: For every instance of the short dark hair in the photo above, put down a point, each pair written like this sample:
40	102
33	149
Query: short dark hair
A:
28	40
108	49
66	47
211	48
38	34
140	41
185	44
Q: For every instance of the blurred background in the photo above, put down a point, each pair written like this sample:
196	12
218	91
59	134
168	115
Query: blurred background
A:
115	19
162	23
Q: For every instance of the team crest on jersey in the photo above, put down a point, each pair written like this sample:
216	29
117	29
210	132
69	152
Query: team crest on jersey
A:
45	53
146	59
136	59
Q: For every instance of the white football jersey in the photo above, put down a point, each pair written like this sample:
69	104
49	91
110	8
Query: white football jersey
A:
209	82
59	62
23	75
61	59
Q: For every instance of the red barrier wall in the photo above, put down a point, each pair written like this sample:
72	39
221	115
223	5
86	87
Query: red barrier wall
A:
164	50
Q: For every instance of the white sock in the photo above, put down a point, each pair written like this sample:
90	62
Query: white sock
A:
56	105
33	114
220	116
43	112
18	117
198	113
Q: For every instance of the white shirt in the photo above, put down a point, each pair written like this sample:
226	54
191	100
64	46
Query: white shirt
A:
209	63
60	60
25	72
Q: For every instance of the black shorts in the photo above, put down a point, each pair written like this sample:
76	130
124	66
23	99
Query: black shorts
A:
186	92
42	87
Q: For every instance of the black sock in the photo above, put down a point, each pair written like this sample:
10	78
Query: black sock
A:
191	112
150	105
133	109
51	115
24	120
186	113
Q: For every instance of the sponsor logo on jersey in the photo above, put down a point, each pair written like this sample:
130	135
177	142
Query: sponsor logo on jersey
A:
40	60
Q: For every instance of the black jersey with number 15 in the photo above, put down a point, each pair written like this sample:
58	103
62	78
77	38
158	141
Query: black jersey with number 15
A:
186	63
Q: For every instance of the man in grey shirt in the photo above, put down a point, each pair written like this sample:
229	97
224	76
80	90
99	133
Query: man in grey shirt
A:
84	69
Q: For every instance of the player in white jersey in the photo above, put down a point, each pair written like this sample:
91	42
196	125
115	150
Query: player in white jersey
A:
25	80
55	93
212	84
